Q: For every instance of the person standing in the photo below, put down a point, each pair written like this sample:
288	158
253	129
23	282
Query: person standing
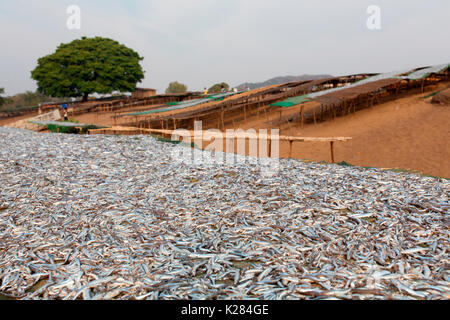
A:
66	117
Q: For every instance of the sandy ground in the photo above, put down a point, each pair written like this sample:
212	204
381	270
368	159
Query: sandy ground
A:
6	121
115	217
409	133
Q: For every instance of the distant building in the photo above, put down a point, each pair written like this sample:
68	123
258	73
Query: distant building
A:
143	93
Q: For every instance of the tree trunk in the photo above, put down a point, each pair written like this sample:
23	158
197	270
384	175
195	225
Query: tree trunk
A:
85	97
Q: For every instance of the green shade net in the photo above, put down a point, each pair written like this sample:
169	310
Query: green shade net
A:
292	101
172	103
185	104
66	127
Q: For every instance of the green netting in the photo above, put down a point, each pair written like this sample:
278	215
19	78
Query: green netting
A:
66	127
185	104
292	101
217	96
71	129
431	95
172	103
283	104
153	111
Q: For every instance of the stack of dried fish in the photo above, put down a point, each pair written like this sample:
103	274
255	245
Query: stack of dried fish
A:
110	217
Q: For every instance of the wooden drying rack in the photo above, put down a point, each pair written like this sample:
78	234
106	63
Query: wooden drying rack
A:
201	135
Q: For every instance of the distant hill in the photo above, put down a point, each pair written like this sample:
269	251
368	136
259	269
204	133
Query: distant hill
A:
280	80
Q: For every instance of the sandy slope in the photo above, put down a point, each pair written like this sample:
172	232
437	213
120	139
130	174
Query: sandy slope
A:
6	121
409	133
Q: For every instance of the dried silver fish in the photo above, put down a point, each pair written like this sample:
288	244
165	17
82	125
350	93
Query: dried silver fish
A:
111	217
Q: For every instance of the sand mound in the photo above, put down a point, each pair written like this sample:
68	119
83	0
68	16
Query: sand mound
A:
442	97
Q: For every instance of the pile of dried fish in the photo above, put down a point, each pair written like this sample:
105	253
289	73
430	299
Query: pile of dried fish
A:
111	217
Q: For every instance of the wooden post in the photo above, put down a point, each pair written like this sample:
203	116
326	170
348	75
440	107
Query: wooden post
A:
290	148
270	147
332	151
315	121
221	116
303	115
174	124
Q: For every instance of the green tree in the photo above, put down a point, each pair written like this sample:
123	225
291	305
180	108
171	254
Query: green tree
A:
2	99
176	87
88	65
218	87
33	98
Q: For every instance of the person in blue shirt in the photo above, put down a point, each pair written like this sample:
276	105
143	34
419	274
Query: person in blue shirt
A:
64	106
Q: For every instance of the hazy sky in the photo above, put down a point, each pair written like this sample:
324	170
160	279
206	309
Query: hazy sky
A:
201	42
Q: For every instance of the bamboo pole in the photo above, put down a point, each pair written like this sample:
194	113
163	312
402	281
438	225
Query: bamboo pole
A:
332	151
290	148
270	148
303	115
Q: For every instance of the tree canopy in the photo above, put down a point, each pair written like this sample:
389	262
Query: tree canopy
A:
2	99
88	65
218	87
26	99
176	87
